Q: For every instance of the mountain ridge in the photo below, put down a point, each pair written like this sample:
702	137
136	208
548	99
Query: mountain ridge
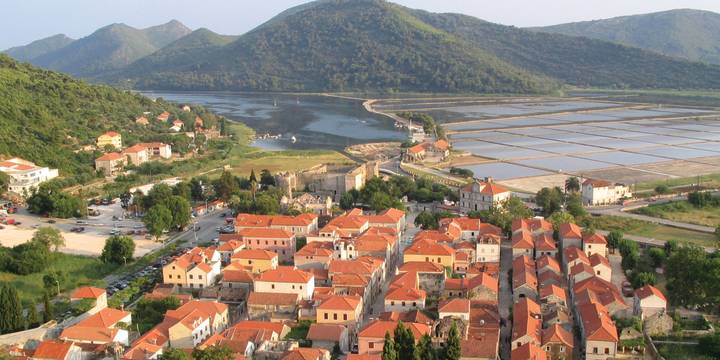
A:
683	33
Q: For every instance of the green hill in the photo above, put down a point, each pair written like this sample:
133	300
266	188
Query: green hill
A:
577	60
194	47
343	45
48	117
688	34
39	47
110	48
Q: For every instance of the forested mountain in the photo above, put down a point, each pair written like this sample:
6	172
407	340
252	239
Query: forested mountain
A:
375	45
110	48
577	60
39	47
192	48
47	117
339	46
688	34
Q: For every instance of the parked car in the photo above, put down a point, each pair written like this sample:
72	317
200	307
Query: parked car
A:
51	221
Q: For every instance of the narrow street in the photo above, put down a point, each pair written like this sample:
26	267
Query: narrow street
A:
505	300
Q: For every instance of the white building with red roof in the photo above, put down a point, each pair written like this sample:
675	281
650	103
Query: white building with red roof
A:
601	192
279	241
570	235
25	175
286	280
109	138
93	293
56	350
301	225
648	301
482	195
594	244
598	331
104	327
111	163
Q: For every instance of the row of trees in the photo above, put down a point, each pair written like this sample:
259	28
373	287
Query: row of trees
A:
379	194
12	316
402	346
32	256
49	199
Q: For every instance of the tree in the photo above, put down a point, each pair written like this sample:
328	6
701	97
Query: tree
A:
644	278
266	178
49	237
149	313
700	199
11	312
4	182
174	354
28	258
687	277
197	189
213	353
451	350
574	205
226	185
670	247
662	189
266	204
561	217
425	348
158	194
550	200
118	250
347	201
253	183
47	308
658	256
380	201
158	220
183	189
426	221
614	238
179	209
572	185
336	352
52	281
33	319
389	350
405	343
710	345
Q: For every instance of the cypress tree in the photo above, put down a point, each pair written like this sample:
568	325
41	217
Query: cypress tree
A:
48	310
389	350
33	319
425	348
11	316
451	350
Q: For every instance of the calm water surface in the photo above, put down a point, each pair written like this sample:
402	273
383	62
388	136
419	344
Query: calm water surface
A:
314	121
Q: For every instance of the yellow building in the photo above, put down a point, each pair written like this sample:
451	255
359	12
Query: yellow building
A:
345	310
256	260
428	251
111	138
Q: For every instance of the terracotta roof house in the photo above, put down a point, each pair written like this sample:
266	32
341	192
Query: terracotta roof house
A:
480	287
57	350
522	243
527	323
648	300
573	255
547	263
594	244
557	342
553	294
455	308
545	246
371	338
595	289
482	195
286	279
429	251
597	331
307	354
601	266
325	336
570	235
528	351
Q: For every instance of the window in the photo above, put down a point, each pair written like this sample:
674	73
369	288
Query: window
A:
275	242
344	316
293	287
562	349
200	277
190	276
403	303
427	259
178	276
547	348
439	260
335	316
272	286
325	316
249	262
607	351
414	303
598	272
300	287
371	345
392	303
595	350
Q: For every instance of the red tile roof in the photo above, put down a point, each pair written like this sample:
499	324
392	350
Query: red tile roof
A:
570	230
427	247
326	332
266	298
596	183
421	267
526	319
594	239
265	233
405	294
286	274
305	354
574	253
547	261
649	290
522	240
255	254
110	157
597	323
377	329
529	351
105	318
556	334
552	290
87	292
454	306
51	349
343	303
597	259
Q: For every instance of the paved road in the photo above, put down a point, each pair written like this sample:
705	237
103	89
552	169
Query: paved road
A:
505	299
623	211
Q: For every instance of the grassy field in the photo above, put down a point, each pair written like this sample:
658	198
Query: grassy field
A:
707	181
661	232
678	352
79	270
683	211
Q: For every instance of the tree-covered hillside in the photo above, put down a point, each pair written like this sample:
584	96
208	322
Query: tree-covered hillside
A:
48	117
38	48
577	60
110	48
687	34
345	45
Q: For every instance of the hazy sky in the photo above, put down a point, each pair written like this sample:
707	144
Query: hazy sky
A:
23	21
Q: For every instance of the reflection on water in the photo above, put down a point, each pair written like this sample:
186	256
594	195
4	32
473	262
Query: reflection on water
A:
314	121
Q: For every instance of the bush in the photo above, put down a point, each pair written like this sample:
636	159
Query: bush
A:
28	258
118	250
662	189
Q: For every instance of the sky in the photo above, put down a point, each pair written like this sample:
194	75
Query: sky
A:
23	21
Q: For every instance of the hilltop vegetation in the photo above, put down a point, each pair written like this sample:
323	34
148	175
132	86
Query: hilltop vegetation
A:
576	60
110	48
342	46
47	117
687	34
39	47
